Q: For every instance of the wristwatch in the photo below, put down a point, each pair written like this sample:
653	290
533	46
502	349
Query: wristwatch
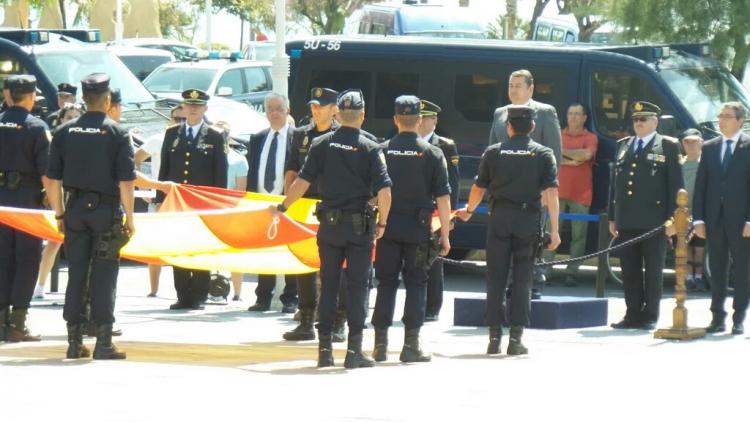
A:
281	207
59	217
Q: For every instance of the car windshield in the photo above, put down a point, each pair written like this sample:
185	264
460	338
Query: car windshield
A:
71	68
178	79
703	90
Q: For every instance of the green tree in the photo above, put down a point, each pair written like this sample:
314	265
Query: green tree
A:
326	16
257	12
175	21
724	23
538	9
590	15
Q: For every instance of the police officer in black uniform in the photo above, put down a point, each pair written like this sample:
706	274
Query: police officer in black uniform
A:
66	93
348	167
24	145
517	174
193	153
643	195
429	112
322	107
420	179
92	159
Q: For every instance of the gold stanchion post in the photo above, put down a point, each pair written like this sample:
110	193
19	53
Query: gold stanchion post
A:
680	329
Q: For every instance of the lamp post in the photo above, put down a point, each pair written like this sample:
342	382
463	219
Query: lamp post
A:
118	22
280	62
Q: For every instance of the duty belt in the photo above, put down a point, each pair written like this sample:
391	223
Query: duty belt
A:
507	203
101	198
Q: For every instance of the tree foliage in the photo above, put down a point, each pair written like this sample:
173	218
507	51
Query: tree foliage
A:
257	12
326	16
723	23
538	9
177	22
589	14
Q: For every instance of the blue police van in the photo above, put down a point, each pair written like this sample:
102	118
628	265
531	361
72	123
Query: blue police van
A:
468	79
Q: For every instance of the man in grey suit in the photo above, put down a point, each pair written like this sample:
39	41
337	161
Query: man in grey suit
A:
721	209
547	130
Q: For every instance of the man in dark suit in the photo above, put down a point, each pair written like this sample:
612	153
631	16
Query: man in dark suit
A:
643	195
193	153
267	154
721	208
547	126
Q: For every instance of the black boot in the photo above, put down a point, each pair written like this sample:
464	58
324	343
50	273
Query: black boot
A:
354	356
325	350
304	331
17	329
91	330
339	327
76	349
515	347
380	351
105	349
496	333
4	314
411	351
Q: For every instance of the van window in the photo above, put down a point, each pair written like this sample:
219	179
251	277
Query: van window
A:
341	80
364	27
477	96
232	79
542	33
613	92
558	35
256	80
570	37
391	85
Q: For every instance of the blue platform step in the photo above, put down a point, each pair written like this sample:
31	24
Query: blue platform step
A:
549	312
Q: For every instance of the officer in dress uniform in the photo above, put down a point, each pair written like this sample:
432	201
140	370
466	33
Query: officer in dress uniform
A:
429	112
92	159
643	195
517	173
193	153
420	179
66	93
348	167
24	145
322	107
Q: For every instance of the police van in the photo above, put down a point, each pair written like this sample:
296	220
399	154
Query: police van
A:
468	79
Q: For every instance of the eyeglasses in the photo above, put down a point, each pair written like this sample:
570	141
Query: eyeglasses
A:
640	119
726	116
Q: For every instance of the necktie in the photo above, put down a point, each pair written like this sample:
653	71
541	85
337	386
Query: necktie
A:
727	159
270	175
639	148
190	134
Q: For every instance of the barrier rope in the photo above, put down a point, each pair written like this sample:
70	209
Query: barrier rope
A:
644	236
273	229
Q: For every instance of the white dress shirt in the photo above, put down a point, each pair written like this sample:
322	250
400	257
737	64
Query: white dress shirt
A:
196	129
278	183
724	140
646	140
428	137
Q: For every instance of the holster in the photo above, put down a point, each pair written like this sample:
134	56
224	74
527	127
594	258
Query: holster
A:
428	252
10	180
108	244
543	239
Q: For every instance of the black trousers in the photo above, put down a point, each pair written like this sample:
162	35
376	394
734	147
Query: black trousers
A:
435	280
337	243
723	241
643	275
87	273
307	292
267	284
511	237
191	285
20	254
393	258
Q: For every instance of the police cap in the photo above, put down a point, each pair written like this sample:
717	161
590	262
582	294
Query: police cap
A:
428	108
95	83
643	108
351	99
322	96
195	96
407	105
21	84
520	112
116	95
66	88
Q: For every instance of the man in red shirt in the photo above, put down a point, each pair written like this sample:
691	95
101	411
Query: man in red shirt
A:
578	153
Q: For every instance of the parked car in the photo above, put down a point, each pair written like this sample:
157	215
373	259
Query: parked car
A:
181	50
259	50
142	61
240	80
417	19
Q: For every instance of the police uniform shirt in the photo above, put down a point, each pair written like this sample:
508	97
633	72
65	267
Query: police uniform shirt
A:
517	171
348	166
450	152
302	139
92	153
201	160
24	145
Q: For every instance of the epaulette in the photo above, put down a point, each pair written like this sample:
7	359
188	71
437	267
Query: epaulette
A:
448	141
176	125
670	139
217	129
623	139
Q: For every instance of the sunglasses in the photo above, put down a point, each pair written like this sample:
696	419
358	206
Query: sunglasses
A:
640	119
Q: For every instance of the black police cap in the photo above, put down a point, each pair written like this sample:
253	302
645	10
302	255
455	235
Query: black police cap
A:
66	88
95	83
21	84
351	99
644	108
407	105
520	112
323	96
195	96
428	108
116	95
